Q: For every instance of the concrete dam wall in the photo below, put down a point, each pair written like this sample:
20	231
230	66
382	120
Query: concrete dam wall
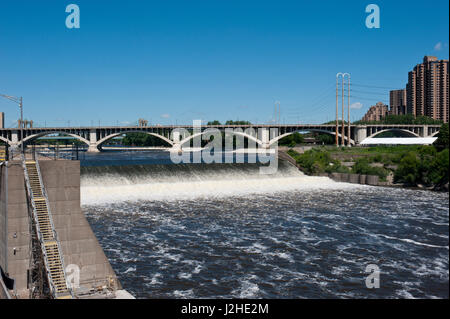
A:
79	245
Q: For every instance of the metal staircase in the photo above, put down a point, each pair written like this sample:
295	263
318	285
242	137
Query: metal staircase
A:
50	246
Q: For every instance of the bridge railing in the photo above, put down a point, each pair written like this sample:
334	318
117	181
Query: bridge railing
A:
45	153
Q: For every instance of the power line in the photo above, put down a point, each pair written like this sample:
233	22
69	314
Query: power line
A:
375	87
365	92
368	99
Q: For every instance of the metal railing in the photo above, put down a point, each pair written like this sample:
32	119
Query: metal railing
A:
38	230
34	152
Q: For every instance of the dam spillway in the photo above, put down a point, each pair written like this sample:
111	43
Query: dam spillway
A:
227	231
171	182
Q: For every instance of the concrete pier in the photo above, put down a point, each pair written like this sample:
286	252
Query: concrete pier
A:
84	258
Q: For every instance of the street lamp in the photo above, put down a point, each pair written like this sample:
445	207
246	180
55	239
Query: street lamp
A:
19	101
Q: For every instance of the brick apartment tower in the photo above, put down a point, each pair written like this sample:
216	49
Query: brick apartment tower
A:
376	112
427	89
397	100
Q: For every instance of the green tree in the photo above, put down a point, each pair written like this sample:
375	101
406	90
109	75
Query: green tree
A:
362	166
231	122
408	169
439	168
442	141
142	139
326	139
292	140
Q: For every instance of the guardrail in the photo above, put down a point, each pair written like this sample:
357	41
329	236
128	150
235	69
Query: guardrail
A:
43	153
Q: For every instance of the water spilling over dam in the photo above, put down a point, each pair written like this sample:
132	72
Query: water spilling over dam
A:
225	231
105	184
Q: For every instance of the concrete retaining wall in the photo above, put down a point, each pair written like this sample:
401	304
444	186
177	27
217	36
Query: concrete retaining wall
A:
16	247
78	243
3	218
355	178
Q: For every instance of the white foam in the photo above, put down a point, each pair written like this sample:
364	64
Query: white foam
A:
131	269
184	275
154	280
111	192
248	289
407	240
184	293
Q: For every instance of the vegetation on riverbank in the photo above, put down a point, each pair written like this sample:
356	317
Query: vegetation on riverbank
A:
142	139
408	165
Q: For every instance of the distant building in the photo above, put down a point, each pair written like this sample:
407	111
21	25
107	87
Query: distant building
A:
2	120
376	112
397	101
427	89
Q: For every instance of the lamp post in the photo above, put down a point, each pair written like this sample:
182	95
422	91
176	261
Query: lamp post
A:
19	101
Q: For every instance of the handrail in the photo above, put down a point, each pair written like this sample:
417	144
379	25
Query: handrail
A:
38	230
36	221
55	234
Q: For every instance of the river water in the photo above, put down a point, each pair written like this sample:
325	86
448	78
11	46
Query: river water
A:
226	231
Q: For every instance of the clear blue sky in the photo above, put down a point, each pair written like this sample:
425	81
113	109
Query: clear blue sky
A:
174	61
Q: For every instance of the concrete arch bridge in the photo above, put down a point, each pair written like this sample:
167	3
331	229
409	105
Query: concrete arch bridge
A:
177	136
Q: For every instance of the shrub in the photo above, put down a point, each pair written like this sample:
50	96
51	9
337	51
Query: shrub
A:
362	167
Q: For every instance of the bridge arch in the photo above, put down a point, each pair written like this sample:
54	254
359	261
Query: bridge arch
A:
248	136
106	138
3	139
35	136
276	139
411	134
434	134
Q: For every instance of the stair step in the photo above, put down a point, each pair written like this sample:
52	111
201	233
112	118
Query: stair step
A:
54	265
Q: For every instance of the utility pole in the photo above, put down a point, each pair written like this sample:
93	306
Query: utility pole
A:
337	102
342	132
348	111
342	75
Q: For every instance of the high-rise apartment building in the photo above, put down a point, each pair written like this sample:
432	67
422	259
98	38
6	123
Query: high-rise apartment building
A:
397	100
427	89
376	112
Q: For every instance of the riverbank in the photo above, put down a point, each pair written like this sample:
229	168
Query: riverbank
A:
416	167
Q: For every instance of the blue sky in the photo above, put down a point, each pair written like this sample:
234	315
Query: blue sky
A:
173	61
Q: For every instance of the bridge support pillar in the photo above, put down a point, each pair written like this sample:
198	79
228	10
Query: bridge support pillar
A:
424	131
176	137
360	134
14	145
265	137
93	148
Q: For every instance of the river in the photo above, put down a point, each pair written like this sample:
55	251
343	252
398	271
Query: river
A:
226	231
